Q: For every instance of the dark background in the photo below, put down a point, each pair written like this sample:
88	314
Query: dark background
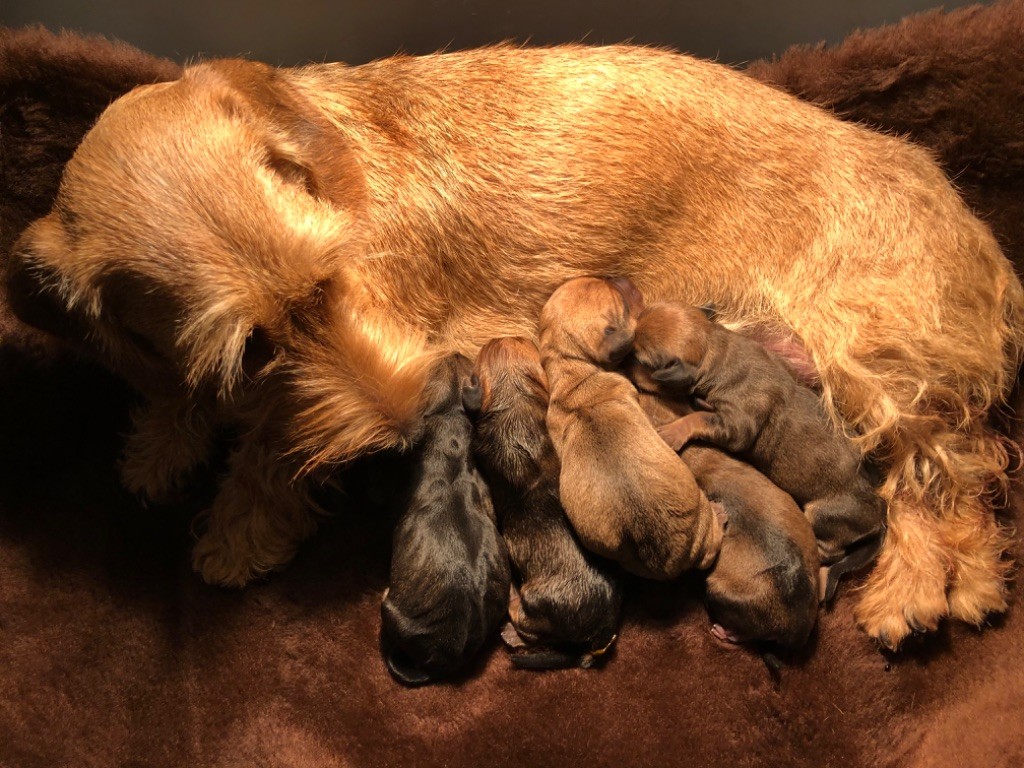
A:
355	31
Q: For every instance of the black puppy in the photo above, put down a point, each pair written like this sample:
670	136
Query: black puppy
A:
450	575
567	600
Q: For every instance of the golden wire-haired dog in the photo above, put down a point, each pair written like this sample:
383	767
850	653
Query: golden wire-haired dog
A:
286	249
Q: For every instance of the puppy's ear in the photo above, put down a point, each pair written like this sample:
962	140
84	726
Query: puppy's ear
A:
31	281
677	373
630	293
473	396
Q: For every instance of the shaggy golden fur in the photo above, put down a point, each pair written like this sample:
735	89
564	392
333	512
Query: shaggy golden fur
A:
627	494
320	219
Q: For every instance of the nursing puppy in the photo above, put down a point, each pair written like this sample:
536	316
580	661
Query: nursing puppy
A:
449	566
627	495
565	597
756	409
763	588
284	251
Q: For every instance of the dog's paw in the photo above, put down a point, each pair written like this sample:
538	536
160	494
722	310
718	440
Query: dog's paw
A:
973	599
149	480
218	566
978	583
897	603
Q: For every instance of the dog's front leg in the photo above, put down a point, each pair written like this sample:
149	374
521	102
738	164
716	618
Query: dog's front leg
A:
260	515
172	436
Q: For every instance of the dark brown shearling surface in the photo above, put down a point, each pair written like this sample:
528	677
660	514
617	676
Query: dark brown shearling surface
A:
112	653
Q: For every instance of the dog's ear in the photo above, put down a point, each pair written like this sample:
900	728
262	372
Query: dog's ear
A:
258	352
302	146
630	293
31	281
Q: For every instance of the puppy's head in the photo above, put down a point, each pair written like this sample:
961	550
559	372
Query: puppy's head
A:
763	587
671	339
201	239
591	318
419	649
513	398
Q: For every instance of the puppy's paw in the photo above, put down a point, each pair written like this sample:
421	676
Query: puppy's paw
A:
674	437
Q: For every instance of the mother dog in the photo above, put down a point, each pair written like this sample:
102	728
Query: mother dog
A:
286	251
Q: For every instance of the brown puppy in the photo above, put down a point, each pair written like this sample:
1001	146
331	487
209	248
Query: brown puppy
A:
285	250
764	585
566	598
756	409
628	497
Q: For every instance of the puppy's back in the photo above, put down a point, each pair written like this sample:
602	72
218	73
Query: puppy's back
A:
449	570
616	470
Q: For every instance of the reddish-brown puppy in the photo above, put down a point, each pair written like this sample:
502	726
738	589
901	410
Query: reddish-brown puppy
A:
566	597
627	494
764	585
284	251
756	409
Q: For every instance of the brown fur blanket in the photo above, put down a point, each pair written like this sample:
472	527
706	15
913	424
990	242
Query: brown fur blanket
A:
113	653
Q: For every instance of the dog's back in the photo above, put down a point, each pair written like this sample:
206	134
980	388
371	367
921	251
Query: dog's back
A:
449	570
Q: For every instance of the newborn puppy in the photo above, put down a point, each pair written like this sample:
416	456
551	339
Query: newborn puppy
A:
449	567
625	492
758	410
764	585
565	598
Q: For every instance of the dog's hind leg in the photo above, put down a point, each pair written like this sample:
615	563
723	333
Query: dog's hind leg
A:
260	515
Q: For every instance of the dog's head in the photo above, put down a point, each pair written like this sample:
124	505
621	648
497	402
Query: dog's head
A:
591	318
201	239
671	340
